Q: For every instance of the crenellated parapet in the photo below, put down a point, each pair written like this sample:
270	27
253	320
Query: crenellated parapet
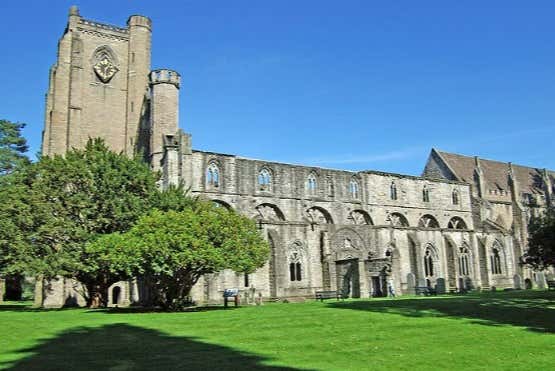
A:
165	76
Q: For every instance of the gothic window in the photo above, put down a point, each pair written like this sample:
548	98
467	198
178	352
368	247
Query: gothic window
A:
359	217
393	191
428	221
317	215
213	175
311	184
425	194
456	223
353	189
455	197
429	268
330	188
265	180
397	220
495	260
464	266
295	263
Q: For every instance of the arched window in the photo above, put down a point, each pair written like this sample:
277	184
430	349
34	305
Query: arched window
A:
495	260
428	263
464	266
428	221
295	263
353	188
425	194
311	184
455	196
456	223
265	180
213	175
393	191
397	220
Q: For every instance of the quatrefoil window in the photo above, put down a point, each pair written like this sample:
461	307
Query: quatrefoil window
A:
105	69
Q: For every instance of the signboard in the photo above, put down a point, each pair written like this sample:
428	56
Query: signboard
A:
231	293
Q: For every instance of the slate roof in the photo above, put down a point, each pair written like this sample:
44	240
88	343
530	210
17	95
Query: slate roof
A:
496	173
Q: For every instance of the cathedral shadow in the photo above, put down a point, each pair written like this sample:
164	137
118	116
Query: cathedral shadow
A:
530	309
125	347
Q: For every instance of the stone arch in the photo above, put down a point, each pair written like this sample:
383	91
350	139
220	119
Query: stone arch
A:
220	203
318	215
397	220
498	258
269	212
346	244
428	221
359	217
432	266
457	223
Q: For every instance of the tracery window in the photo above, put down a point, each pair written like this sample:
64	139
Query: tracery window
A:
295	265
213	175
393	191
265	179
464	265
455	197
495	260
311	183
353	188
425	194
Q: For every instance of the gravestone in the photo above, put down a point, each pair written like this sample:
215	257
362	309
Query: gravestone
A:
440	286
550	277
540	280
422	282
411	283
528	284
517	282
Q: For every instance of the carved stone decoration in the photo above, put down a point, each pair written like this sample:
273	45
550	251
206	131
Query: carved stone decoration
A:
267	213
358	218
105	69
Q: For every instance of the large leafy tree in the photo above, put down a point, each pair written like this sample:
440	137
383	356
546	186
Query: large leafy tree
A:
173	249
12	146
74	199
541	241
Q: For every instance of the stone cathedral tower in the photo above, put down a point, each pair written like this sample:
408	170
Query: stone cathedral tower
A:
99	86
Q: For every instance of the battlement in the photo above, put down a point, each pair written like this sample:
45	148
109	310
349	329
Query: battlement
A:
104	26
165	76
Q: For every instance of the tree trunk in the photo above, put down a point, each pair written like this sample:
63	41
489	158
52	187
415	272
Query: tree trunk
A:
2	289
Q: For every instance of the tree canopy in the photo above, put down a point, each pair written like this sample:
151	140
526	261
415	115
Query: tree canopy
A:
12	146
173	249
61	203
541	241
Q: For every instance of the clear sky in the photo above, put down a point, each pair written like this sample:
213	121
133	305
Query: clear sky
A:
345	84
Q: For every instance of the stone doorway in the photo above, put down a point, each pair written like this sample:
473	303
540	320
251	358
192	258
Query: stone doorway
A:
348	279
116	293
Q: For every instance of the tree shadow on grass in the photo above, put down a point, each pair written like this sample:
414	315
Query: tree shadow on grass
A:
532	309
124	347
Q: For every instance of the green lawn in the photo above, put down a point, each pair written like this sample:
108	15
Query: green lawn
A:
493	331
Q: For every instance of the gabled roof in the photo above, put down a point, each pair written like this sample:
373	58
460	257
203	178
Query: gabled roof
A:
496	173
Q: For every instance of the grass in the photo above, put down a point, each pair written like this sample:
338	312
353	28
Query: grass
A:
493	331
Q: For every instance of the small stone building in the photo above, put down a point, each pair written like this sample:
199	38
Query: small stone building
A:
461	225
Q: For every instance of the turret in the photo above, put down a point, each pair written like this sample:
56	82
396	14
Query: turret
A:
164	111
140	35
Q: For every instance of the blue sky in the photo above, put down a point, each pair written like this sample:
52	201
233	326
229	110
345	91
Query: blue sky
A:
344	84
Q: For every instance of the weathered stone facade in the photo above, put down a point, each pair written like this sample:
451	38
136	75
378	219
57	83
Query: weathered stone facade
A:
328	229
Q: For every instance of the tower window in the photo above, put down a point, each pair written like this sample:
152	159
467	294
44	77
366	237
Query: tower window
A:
455	196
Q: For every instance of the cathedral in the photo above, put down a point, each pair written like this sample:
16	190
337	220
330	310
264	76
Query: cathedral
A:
461	225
